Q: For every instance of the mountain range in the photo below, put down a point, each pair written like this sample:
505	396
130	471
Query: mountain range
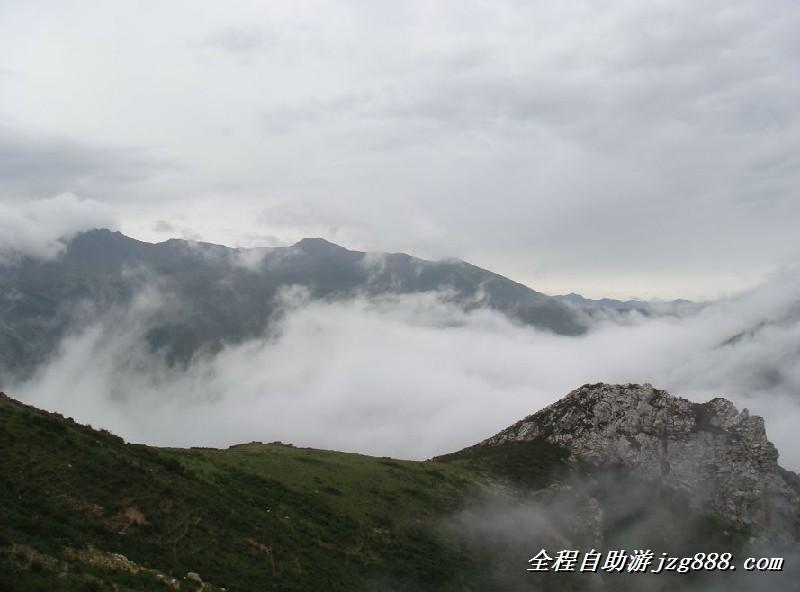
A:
224	295
212	295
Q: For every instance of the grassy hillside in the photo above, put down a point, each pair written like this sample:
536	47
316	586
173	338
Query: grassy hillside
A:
82	510
253	517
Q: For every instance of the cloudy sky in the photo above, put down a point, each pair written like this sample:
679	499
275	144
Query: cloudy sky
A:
617	148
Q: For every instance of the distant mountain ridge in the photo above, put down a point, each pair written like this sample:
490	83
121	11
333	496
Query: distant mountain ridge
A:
226	295
644	307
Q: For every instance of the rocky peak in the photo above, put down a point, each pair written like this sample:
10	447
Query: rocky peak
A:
719	456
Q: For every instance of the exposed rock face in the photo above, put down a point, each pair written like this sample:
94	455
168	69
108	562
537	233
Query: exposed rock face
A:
719	456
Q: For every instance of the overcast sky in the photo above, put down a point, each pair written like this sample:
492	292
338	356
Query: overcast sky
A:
620	148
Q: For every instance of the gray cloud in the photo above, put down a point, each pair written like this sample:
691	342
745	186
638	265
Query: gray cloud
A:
34	166
240	42
37	228
618	149
164	226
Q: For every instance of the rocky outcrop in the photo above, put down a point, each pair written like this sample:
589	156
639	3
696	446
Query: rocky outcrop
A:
717	455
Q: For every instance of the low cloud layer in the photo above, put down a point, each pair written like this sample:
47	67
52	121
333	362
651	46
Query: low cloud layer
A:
607	512
36	228
413	376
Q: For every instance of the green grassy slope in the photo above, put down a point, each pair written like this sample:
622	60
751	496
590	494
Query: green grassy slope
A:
253	517
82	510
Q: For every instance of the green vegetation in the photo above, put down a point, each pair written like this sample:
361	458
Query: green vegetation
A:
532	464
82	510
253	517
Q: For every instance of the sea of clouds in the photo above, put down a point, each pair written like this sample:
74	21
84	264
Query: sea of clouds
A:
413	376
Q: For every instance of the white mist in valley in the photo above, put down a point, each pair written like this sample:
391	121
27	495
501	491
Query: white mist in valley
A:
413	376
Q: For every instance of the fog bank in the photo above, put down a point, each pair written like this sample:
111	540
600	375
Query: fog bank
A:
413	376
